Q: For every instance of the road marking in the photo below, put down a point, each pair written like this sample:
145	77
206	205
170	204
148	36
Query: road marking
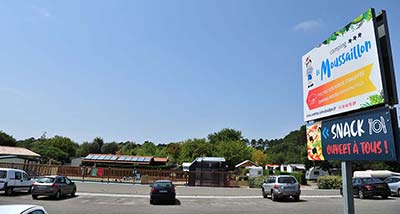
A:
197	196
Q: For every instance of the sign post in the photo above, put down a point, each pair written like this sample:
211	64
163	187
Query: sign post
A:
347	187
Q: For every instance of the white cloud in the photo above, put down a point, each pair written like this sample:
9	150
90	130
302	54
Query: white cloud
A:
308	25
41	11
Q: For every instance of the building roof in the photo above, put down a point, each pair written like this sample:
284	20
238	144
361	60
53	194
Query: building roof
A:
17	151
272	165
211	159
161	160
110	158
246	163
298	166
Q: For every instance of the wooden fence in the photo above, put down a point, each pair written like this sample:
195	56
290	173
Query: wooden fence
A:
112	174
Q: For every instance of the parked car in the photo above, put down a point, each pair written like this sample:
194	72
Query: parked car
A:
12	180
394	184
282	186
54	186
162	190
22	209
368	187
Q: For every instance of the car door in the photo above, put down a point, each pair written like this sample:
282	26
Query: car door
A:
265	184
271	184
60	181
356	184
68	186
18	182
26	182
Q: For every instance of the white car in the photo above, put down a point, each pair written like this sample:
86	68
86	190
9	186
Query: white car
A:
394	184
12	180
22	209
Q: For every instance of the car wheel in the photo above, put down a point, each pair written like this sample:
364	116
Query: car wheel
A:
296	198
9	191
384	196
34	196
58	195
361	194
398	192
151	201
73	193
30	189
263	193
273	197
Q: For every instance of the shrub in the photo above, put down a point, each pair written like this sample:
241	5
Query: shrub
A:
300	177
329	182
256	182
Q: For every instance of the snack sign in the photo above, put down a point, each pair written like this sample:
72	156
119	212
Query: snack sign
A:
363	136
343	73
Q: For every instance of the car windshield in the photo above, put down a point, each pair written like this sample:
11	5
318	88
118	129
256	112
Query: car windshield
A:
45	180
285	180
3	174
163	185
370	180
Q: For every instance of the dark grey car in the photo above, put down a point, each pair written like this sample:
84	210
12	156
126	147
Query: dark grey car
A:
54	186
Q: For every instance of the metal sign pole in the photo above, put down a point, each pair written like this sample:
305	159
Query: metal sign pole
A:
347	187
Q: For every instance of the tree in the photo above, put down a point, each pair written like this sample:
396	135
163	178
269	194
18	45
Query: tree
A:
110	148
83	150
234	152
58	148
65	144
27	143
99	142
225	135
146	149
127	148
259	157
7	140
194	148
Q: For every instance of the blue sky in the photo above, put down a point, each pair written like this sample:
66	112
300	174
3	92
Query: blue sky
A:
163	71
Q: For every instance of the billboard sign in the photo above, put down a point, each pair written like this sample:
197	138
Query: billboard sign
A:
343	73
363	136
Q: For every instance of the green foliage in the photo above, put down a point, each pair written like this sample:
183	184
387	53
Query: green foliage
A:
291	149
225	135
233	151
146	149
6	140
193	148
258	157
59	149
329	182
300	177
256	182
110	148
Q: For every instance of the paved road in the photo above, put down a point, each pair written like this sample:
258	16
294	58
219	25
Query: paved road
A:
99	198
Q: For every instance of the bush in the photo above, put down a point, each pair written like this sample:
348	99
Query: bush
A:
300	177
256	182
329	182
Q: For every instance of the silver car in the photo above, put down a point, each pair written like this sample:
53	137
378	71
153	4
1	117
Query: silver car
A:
282	186
394	184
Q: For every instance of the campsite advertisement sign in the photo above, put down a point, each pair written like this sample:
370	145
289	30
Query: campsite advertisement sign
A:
343	73
363	136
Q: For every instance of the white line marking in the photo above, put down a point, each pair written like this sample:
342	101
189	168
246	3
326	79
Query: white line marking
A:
197	196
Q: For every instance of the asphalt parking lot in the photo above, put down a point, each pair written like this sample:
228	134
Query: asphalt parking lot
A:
103	198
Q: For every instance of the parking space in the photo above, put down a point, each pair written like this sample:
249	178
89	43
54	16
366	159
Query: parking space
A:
217	201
